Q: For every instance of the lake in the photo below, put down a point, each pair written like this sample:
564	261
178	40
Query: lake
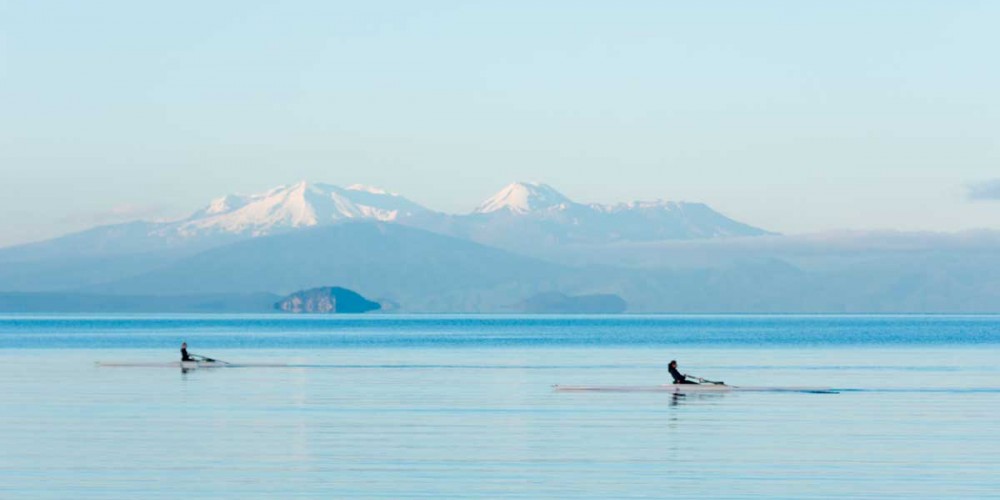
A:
463	407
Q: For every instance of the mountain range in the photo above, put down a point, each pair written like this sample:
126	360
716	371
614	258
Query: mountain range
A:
519	213
525	242
308	205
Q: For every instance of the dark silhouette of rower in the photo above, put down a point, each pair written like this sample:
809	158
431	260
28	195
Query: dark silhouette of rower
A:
184	352
679	378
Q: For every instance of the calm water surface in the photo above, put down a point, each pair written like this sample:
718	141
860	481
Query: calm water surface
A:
462	407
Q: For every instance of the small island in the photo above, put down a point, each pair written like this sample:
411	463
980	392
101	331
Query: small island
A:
326	300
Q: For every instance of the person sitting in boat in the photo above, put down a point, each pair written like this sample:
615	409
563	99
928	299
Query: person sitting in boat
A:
679	378
184	352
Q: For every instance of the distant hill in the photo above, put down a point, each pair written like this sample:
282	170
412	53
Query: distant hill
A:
560	303
67	302
69	273
426	272
326	300
421	271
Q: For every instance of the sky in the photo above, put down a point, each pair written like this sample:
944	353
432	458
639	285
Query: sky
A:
794	116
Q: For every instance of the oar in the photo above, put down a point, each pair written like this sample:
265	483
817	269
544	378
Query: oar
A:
210	360
705	381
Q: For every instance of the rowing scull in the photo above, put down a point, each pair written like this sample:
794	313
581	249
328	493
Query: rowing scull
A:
687	388
190	364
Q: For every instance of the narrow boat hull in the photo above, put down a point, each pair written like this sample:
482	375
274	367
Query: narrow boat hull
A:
686	388
187	365
175	364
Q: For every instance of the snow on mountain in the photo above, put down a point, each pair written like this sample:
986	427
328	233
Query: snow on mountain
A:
295	206
523	216
523	198
640	206
513	213
529	214
369	189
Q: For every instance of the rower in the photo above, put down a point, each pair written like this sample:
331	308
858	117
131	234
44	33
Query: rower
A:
184	352
679	378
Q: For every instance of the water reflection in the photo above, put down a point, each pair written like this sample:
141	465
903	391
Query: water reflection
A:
677	398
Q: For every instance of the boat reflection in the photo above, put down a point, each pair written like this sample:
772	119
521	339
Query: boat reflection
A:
677	398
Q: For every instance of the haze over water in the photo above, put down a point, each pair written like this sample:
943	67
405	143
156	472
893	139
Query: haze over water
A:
462	406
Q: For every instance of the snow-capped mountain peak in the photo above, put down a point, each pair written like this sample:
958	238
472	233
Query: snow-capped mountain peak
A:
302	204
523	198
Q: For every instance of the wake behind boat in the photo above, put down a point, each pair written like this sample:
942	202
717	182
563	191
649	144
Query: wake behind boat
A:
689	388
187	365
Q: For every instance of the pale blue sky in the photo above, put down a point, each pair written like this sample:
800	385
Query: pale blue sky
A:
794	116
